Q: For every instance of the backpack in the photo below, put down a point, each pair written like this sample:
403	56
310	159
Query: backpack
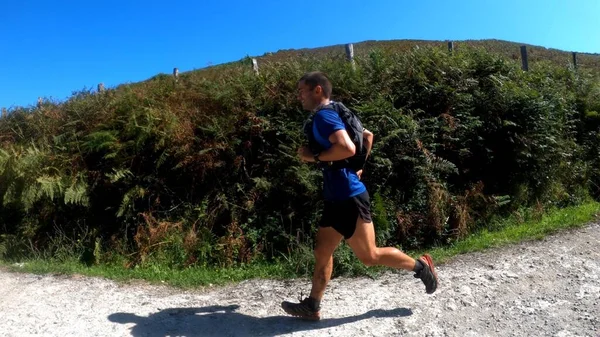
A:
354	128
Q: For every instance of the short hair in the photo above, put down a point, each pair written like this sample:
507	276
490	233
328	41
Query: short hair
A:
314	78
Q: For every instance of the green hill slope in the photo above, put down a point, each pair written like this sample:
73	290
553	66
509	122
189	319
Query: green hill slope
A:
203	171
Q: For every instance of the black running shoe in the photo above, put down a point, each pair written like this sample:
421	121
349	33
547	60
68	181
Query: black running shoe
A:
305	309
427	274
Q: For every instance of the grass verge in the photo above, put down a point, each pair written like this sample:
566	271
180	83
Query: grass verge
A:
514	230
507	231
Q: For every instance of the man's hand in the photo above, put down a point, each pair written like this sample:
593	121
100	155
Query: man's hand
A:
306	154
359	173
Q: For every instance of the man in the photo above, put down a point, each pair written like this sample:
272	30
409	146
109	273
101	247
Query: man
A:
346	213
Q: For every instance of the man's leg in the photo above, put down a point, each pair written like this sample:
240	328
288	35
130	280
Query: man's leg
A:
327	241
363	244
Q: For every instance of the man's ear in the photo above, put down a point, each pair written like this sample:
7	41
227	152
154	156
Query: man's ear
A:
318	90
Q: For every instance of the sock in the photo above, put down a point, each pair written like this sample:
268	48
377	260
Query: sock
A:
418	266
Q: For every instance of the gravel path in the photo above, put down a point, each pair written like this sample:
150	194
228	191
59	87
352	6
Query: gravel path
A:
542	288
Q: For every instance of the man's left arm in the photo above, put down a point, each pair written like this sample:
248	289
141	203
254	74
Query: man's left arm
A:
368	140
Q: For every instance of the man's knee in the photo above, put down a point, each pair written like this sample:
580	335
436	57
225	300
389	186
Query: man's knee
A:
369	259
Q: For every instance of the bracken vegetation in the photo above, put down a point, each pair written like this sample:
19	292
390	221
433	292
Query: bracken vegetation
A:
203	171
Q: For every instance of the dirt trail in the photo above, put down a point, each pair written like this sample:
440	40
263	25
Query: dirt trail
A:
542	288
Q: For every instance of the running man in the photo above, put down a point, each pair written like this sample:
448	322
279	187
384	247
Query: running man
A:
346	214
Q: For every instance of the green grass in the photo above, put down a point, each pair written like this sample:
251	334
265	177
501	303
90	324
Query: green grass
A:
186	278
508	231
513	230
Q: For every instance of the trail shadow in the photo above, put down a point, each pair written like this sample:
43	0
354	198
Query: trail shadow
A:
224	321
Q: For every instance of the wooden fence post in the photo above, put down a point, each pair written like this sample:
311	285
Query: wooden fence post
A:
575	60
524	58
350	54
101	87
4	112
176	74
450	46
255	65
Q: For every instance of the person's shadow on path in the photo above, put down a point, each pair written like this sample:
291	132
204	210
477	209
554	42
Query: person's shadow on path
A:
224	321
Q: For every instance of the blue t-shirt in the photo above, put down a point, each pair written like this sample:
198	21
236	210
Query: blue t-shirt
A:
342	183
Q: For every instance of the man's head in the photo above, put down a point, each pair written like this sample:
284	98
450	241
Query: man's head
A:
314	88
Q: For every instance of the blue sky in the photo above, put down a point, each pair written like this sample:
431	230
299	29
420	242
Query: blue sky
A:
51	49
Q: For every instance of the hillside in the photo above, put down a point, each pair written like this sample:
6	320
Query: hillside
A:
203	171
504	48
510	50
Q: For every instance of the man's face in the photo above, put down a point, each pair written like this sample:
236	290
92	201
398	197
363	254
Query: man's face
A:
310	99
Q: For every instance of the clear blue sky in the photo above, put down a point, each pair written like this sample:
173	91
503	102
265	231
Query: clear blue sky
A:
52	48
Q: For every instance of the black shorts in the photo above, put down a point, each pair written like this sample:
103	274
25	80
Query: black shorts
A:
342	215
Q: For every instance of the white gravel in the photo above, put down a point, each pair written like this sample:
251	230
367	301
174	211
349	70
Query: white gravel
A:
542	288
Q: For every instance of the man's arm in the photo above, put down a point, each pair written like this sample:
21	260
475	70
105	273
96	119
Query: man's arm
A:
342	147
368	139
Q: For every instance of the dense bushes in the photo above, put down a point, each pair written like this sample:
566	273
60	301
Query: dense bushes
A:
204	171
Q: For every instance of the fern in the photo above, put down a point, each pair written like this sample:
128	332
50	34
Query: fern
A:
10	195
262	184
44	186
50	187
443	166
129	198
119	174
102	141
5	158
77	193
30	195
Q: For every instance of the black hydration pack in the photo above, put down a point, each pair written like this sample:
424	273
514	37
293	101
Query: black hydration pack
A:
354	128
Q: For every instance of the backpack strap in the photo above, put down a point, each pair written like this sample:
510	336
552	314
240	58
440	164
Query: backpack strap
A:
357	161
